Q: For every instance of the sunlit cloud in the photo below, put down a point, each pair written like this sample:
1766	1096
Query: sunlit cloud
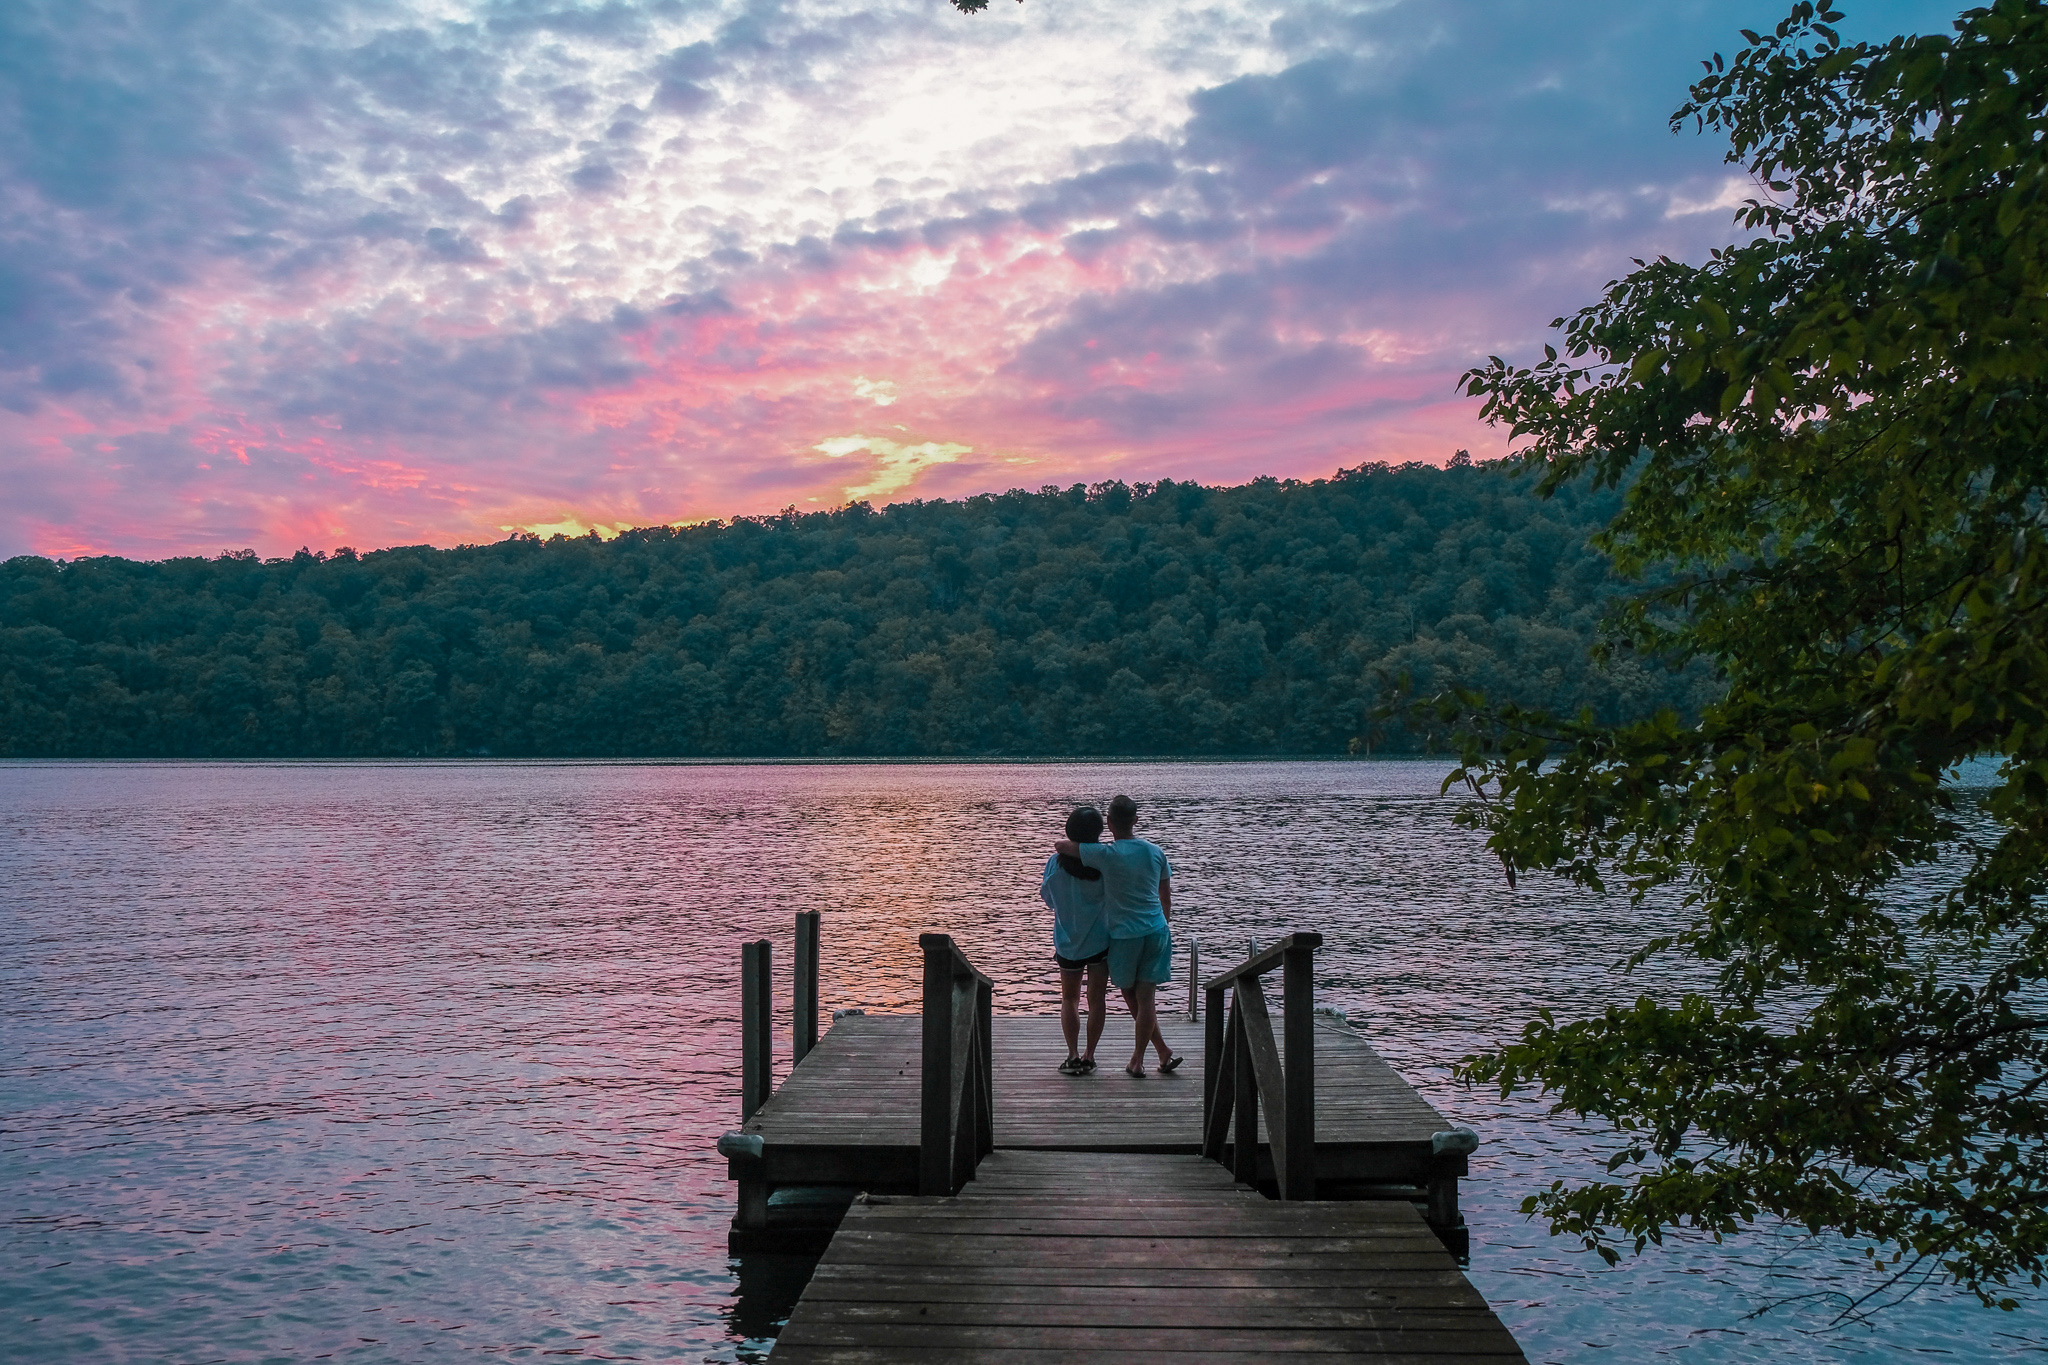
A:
894	466
412	271
880	392
567	526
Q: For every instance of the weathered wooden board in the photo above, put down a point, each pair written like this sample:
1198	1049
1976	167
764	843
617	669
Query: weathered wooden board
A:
1068	1256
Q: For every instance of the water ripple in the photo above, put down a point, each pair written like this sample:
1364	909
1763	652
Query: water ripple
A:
388	1062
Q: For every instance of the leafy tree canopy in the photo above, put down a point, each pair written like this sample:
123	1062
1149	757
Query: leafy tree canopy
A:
1164	618
1836	437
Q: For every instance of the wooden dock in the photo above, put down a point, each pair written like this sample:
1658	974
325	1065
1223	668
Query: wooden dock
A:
972	1203
1059	1256
848	1114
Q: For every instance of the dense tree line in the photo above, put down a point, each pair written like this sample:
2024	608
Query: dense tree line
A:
1165	618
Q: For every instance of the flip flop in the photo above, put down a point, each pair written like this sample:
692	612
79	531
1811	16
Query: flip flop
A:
1169	1065
1135	1072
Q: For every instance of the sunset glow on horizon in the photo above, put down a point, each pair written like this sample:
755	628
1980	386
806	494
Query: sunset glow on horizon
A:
429	271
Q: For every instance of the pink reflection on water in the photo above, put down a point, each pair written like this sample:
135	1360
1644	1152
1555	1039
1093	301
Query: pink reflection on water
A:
298	1054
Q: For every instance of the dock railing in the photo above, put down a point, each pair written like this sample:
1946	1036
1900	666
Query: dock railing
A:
1243	1068
757	1011
956	1109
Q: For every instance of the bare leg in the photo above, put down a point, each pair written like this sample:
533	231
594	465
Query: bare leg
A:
1158	1037
1070	1018
1098	1006
1144	1006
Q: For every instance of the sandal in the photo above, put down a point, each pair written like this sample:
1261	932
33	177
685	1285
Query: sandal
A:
1087	1067
1073	1066
1135	1072
1171	1064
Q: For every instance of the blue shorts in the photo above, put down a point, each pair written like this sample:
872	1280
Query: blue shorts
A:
1137	960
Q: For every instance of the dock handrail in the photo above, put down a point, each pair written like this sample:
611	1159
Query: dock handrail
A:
956	1103
1243	1069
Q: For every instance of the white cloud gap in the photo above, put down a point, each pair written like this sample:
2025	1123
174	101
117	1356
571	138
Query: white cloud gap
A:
894	466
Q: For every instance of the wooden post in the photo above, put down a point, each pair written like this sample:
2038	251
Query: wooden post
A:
803	1019
1298	999
985	1119
1194	980
963	1092
1443	1201
757	1025
935	1135
752	1214
1244	1157
956	1083
1219	1077
1256	1023
1448	1153
1212	1049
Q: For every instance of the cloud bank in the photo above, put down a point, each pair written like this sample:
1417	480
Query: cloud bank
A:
277	273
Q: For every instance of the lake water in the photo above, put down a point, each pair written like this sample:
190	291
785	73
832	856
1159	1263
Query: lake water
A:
412	1061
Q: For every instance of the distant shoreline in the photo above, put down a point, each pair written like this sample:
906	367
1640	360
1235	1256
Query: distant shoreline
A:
514	761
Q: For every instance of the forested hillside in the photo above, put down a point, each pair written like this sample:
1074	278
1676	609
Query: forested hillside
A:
1156	619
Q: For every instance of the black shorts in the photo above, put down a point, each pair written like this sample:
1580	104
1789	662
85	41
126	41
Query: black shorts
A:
1075	964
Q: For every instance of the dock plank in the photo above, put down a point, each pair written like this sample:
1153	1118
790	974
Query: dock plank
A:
1164	1263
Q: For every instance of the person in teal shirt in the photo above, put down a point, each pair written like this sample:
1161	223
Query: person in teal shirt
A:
1137	895
1080	939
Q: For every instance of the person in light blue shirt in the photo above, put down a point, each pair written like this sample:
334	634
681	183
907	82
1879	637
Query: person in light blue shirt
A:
1137	886
1080	939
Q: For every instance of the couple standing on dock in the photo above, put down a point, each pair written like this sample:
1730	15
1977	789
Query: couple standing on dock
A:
1110	906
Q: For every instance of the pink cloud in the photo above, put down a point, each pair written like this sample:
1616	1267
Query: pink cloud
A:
461	278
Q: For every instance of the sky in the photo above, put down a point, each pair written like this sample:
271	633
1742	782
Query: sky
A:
284	273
